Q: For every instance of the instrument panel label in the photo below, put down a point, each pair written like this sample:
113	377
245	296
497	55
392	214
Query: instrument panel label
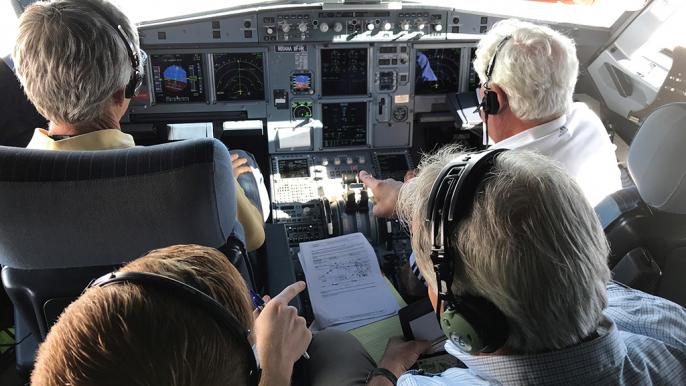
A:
292	48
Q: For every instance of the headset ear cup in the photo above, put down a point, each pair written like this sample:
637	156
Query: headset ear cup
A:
461	332
490	102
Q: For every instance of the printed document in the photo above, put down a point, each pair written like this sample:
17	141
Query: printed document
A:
345	283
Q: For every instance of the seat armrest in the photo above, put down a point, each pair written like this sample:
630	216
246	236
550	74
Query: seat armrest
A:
280	272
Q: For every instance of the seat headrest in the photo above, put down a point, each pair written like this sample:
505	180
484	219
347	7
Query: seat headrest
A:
86	208
657	159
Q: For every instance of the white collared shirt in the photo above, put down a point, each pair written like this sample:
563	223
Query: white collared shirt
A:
579	142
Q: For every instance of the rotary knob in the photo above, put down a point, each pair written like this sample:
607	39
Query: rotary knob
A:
387	26
338	27
270	30
285	27
438	27
302	27
405	25
420	26
370	26
324	27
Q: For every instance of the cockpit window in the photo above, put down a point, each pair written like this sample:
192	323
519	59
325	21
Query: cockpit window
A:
598	13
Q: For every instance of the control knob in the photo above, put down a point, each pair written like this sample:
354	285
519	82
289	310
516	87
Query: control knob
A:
370	26
438	27
420	26
405	25
325	161
387	26
338	27
324	27
285	27
270	30
302	27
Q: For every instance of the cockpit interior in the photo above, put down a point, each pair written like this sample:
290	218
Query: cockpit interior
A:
317	92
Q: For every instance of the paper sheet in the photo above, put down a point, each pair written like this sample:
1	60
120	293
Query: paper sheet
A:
294	137
345	282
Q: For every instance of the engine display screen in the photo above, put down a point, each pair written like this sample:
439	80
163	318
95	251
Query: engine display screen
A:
437	71
178	78
344	71
294	168
239	76
344	124
301	83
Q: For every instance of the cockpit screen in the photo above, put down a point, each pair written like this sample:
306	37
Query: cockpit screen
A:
178	78
344	124
474	80
301	83
344	71
239	76
392	165
437	71
293	168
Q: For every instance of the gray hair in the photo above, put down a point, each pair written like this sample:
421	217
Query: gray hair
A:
531	244
537	68
71	60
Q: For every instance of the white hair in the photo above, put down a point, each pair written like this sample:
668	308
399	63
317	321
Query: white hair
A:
71	60
537	67
531	245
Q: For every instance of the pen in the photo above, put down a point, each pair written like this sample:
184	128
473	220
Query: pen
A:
258	303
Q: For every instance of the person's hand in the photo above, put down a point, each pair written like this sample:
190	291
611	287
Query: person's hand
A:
410	174
400	355
385	194
281	336
239	165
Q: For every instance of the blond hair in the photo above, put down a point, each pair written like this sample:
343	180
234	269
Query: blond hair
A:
134	335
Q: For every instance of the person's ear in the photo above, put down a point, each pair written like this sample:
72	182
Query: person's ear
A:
502	97
119	96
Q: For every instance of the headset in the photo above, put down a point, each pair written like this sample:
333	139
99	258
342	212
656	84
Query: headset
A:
136	57
472	323
192	296
489	103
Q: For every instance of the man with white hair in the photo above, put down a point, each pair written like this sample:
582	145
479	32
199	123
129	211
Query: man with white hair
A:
80	63
528	244
528	75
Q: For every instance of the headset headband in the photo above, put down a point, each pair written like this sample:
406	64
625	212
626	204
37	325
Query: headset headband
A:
136	79
190	294
491	64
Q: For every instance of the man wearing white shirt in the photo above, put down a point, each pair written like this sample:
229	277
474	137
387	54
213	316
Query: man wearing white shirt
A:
529	73
529	246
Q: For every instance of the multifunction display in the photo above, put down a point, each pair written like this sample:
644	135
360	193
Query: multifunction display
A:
178	78
344	124
294	168
344	71
437	71
393	165
239	76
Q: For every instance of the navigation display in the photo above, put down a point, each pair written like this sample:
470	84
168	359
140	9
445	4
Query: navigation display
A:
178	78
437	71
239	76
344	124
344	71
294	168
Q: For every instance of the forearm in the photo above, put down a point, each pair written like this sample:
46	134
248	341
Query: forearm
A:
251	219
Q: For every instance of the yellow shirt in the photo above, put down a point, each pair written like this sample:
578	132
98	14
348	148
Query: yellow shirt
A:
247	214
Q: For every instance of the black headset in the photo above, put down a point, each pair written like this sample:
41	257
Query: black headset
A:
136	81
471	322
489	103
192	296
